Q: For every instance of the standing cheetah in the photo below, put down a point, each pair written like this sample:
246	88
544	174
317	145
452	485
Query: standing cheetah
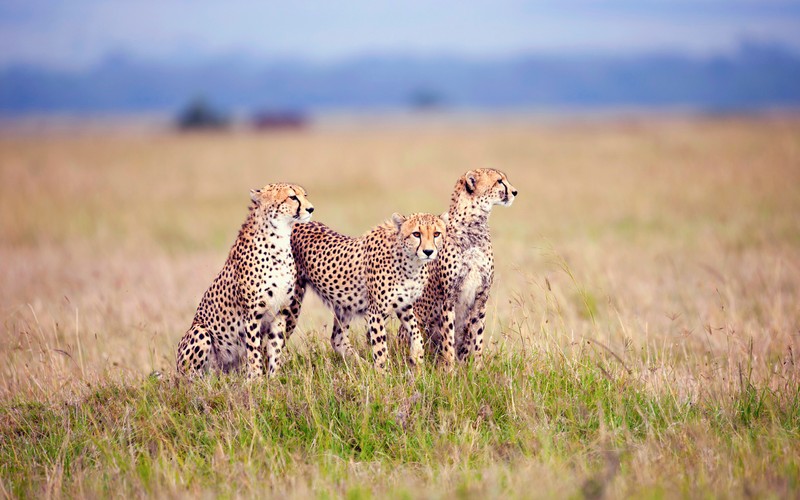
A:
245	299
453	305
381	272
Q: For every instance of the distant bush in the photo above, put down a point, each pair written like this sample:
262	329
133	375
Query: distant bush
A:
199	114
280	120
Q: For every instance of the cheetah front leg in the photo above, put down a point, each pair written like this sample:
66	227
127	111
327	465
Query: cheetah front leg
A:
255	361
447	333
411	334
275	344
377	337
474	325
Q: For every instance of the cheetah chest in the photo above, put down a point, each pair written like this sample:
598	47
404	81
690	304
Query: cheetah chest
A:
475	269
284	282
409	291
277	281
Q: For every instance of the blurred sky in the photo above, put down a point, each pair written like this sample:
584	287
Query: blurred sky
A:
77	33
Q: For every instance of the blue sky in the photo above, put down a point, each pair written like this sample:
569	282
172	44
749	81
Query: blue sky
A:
77	33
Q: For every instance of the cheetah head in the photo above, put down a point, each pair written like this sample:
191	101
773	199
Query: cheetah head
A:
487	187
421	235
282	203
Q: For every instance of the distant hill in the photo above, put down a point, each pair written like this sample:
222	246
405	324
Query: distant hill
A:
754	77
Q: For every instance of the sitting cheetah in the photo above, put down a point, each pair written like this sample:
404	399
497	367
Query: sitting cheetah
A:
453	304
244	301
381	272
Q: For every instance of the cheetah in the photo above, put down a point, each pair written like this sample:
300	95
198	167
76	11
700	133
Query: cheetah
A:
453	305
244	302
377	274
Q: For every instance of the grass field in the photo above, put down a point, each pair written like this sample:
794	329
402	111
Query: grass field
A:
644	325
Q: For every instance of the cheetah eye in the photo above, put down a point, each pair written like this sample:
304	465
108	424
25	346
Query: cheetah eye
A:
437	234
294	197
416	234
499	181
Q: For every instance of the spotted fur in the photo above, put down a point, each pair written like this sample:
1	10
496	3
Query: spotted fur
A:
374	275
242	306
453	305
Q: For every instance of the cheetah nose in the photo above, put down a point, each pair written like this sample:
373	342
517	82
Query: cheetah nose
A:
428	252
514	192
310	209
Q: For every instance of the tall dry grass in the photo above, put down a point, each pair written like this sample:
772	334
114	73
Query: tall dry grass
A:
678	236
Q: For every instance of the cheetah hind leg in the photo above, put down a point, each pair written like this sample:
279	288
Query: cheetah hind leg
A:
194	352
402	341
291	312
339	338
402	335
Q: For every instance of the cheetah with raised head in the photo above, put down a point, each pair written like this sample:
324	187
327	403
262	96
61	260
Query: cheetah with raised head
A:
244	302
453	305
377	274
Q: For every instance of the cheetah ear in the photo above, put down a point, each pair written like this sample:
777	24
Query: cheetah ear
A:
398	220
445	217
470	183
255	195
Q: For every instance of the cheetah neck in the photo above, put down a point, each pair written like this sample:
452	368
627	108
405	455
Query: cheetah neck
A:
266	229
467	220
279	230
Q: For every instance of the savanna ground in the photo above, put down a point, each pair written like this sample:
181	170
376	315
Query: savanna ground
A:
644	324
